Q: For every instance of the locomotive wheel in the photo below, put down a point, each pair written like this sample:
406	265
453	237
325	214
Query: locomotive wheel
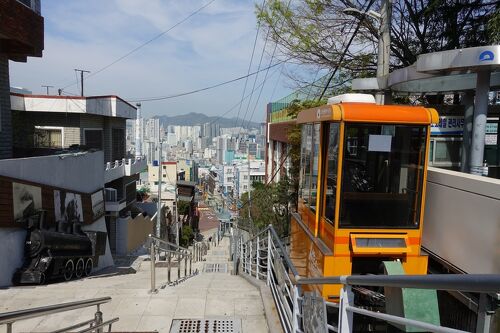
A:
80	268
89	264
69	268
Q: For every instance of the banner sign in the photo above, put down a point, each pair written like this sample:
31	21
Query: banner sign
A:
448	125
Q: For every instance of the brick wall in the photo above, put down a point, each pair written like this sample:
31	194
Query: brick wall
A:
5	113
22	31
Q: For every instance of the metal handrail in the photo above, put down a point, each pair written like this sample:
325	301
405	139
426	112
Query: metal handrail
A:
13	316
168	243
96	327
484	283
288	296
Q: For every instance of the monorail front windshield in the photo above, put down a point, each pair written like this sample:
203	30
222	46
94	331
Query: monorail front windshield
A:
382	176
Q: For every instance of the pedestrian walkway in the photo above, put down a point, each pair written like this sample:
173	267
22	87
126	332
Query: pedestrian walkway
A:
217	295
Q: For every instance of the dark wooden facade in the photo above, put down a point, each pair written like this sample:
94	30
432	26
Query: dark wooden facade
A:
7	219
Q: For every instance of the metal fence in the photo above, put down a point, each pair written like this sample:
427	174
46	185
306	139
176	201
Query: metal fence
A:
265	258
97	324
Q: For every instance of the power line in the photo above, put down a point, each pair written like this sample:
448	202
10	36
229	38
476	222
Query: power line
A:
255	79
261	88
158	98
244	98
147	42
249	67
345	51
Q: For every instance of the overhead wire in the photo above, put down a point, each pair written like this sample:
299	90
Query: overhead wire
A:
249	67
346	48
255	79
159	98
238	103
146	42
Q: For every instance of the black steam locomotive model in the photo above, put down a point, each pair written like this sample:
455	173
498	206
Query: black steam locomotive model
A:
65	252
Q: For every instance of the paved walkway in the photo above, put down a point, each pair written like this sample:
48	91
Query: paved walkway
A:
207	295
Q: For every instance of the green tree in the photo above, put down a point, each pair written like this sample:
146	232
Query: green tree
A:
316	32
183	207
187	236
268	205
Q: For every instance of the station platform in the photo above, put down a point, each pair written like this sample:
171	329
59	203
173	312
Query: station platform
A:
206	296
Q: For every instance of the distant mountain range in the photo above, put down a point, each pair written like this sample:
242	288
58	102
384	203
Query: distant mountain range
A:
194	118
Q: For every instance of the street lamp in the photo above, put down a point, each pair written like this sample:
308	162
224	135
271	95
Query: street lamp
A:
384	45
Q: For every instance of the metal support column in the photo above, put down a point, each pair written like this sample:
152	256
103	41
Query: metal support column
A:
485	314
384	48
169	259
257	259
345	317
98	319
468	102
153	268
269	258
479	128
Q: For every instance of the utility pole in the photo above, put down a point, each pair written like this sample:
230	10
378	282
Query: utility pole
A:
249	192
45	86
384	51
81	78
158	214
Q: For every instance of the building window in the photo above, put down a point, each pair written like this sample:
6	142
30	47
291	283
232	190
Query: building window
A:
245	177
93	138
331	176
118	143
46	137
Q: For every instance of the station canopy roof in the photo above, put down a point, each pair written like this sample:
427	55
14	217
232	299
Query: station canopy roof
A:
440	72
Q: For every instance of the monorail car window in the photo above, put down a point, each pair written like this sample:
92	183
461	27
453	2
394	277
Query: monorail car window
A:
315	166
331	175
382	176
305	163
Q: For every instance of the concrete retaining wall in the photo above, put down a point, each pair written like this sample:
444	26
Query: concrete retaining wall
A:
462	220
132	233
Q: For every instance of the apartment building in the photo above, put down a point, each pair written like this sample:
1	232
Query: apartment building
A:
54	125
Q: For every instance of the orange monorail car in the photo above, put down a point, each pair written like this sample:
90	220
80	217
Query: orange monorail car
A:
362	189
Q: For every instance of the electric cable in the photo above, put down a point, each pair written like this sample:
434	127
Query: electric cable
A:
146	42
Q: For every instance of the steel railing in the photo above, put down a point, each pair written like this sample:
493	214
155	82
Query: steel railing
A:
265	258
170	252
95	325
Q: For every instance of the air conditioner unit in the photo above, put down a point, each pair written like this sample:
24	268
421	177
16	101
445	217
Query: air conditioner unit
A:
111	195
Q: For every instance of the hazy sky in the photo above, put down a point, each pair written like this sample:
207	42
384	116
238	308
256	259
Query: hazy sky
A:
213	46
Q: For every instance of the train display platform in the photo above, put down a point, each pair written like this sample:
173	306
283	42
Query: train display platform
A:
209	296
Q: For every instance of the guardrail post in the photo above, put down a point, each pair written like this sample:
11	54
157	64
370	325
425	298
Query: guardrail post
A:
190	262
269	257
484	314
185	263
169	265
241	250
257	259
251	259
153	267
345	317
98	319
9	327
295	310
178	265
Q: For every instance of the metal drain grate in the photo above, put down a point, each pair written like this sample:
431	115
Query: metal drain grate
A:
215	268
206	326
